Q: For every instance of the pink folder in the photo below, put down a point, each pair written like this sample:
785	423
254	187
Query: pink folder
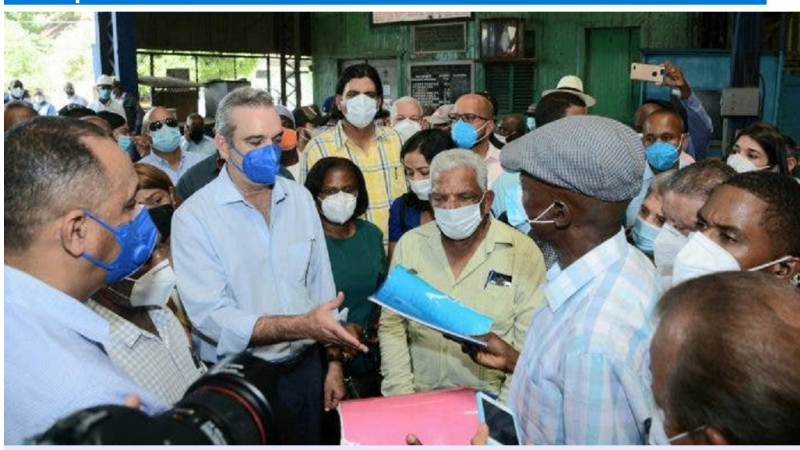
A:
446	417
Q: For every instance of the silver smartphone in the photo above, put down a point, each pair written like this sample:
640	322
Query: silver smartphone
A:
647	72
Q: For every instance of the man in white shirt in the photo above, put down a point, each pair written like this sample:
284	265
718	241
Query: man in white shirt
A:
72	97
104	102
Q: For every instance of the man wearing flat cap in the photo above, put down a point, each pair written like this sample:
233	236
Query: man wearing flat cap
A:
583	375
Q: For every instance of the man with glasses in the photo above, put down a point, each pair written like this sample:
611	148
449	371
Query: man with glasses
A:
477	260
472	121
160	128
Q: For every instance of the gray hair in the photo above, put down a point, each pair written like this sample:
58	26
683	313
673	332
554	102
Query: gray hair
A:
393	110
659	185
457	158
699	179
242	97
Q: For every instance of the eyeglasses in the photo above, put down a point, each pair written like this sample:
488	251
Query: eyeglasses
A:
169	121
468	118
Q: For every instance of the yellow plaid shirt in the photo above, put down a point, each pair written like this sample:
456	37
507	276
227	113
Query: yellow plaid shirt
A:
381	166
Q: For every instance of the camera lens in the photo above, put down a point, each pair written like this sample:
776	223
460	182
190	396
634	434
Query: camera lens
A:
232	404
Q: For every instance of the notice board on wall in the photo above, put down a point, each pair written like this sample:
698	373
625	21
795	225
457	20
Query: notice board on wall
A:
439	83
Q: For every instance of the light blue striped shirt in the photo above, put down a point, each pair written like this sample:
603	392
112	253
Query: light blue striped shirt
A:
54	362
188	160
584	374
233	268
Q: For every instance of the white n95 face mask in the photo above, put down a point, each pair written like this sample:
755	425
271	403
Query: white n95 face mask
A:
459	223
421	188
361	110
701	256
407	128
339	208
742	164
667	245
154	287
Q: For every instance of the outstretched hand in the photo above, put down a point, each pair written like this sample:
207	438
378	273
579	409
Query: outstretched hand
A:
323	328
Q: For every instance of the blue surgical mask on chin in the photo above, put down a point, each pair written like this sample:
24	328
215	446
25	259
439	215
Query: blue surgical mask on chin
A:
464	135
166	139
136	240
261	165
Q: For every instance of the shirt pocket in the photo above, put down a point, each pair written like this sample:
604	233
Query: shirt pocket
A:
295	264
499	305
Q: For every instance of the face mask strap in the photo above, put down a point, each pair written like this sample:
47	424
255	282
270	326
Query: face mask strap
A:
536	219
771	263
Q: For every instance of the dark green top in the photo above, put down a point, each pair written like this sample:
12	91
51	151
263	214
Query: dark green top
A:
358	263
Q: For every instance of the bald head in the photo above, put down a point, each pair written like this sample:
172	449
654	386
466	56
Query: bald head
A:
474	104
725	356
156	114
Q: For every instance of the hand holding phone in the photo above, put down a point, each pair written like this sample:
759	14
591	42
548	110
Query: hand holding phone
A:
648	72
502	423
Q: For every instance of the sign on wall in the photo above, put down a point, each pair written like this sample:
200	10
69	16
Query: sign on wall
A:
448	37
385	18
438	83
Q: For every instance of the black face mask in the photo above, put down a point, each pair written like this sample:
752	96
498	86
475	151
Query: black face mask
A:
196	135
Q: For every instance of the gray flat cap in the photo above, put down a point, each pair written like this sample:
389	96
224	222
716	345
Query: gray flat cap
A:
591	155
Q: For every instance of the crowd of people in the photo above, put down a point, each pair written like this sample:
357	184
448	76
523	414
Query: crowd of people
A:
640	291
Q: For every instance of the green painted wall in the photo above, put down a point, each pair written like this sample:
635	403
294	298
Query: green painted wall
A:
561	40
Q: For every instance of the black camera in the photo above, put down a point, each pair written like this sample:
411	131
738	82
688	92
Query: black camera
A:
233	404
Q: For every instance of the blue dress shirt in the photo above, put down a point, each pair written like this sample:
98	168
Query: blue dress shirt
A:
583	376
233	267
55	363
188	160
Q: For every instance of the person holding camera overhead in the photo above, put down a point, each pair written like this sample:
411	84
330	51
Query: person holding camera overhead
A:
66	236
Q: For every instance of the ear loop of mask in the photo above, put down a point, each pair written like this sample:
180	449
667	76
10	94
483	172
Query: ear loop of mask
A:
767	264
537	218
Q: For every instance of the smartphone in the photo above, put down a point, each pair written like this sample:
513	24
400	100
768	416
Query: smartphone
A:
647	72
503	426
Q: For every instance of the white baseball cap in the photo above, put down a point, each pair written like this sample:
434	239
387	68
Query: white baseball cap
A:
104	80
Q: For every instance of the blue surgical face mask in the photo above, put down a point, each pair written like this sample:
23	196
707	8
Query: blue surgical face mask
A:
464	135
644	235
515	212
105	94
261	165
136	240
662	156
530	122
166	139
126	143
